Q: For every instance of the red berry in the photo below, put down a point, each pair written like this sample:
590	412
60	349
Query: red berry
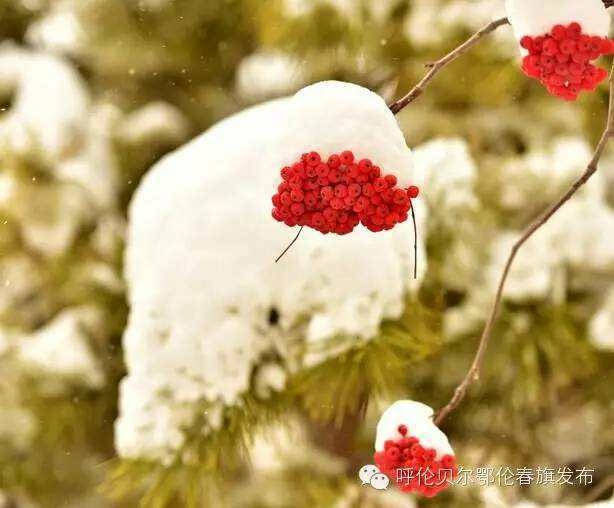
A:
568	47
448	461
297	209
417	450
413	192
286	172
334	175
334	161
313	159
550	48
400	197
327	193
527	42
538	43
559	32
297	195
347	157
354	190
322	170
391	180
429	454
574	30
365	166
285	198
317	219
380	185
341	191
336	203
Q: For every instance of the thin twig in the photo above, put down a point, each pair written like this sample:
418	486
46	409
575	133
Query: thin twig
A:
290	244
437	66
413	218
474	371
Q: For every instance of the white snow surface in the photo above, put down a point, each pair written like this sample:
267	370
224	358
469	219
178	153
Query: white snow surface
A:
59	30
531	274
49	114
157	121
418	418
201	247
531	17
61	348
601	328
55	119
551	169
447	174
573	238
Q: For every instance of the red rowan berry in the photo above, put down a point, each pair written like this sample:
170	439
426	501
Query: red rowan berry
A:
347	157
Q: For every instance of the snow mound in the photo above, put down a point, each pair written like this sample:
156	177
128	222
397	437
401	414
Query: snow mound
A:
47	114
529	17
201	247
418	418
62	348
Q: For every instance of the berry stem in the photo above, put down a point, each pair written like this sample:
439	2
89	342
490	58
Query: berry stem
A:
474	371
413	218
437	66
290	244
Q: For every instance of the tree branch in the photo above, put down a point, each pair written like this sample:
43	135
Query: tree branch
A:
474	371
437	66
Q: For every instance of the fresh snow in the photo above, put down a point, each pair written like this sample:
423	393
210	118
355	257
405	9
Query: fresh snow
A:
418	418
200	259
531	17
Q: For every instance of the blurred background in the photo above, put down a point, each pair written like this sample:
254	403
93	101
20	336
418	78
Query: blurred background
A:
93	92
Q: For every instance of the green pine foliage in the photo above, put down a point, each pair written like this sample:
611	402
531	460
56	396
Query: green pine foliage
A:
540	366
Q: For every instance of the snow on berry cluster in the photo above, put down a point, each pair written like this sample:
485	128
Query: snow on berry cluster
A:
333	196
559	40
412	451
561	60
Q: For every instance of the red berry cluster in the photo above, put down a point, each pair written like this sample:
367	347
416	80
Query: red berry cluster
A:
414	468
561	60
334	196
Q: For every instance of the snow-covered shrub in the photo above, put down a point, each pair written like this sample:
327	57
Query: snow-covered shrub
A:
203	284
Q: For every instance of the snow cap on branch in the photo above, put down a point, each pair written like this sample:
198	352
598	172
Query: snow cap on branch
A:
531	17
418	419
201	248
560	40
332	116
412	451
